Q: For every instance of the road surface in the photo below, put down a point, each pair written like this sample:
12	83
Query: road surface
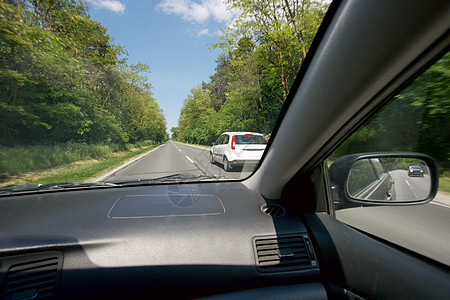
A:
410	188
424	228
174	158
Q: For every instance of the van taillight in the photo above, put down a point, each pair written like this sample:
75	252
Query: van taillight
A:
233	142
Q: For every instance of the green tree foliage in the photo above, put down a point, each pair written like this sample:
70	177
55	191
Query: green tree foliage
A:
417	119
63	79
195	117
262	53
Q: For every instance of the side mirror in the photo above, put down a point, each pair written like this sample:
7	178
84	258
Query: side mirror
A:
213	143
383	179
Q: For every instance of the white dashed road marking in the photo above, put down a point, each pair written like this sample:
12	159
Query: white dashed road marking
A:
410	187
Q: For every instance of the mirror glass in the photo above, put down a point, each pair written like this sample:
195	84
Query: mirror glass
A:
389	179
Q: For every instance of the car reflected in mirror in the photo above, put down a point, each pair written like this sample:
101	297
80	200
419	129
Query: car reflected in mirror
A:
383	179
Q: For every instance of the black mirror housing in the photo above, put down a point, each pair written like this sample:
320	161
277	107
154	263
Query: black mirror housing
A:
398	179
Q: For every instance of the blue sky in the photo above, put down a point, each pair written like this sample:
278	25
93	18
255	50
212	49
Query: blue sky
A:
172	37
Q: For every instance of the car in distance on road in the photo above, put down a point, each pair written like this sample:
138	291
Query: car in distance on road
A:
415	171
234	149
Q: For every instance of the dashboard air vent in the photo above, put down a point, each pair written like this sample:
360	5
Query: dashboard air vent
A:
32	276
285	253
273	210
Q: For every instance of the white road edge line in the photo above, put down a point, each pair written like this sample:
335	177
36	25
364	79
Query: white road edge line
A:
105	176
189	159
439	204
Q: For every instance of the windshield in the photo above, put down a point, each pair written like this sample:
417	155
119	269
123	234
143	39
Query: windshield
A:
140	91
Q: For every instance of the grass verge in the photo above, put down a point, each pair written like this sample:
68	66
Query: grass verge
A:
80	170
444	184
22	159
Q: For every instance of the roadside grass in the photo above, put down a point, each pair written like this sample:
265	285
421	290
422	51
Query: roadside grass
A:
21	159
444	183
79	170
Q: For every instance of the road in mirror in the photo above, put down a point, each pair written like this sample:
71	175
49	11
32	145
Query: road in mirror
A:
389	179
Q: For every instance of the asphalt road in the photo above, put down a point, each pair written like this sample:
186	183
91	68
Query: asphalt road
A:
174	158
423	228
408	188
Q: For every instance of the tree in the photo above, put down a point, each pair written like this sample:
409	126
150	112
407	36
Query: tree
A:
192	123
416	120
62	79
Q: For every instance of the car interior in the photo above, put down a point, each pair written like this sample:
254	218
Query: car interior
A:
271	235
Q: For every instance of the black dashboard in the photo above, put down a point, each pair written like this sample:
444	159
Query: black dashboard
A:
162	241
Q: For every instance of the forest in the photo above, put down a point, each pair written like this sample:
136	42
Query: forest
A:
63	79
261	55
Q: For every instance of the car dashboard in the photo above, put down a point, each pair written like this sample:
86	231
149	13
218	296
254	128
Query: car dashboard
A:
162	241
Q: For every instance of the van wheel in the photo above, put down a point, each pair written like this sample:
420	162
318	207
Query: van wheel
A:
226	165
211	157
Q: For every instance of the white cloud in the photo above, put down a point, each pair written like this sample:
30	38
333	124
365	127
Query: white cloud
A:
112	5
219	10
203	32
197	11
